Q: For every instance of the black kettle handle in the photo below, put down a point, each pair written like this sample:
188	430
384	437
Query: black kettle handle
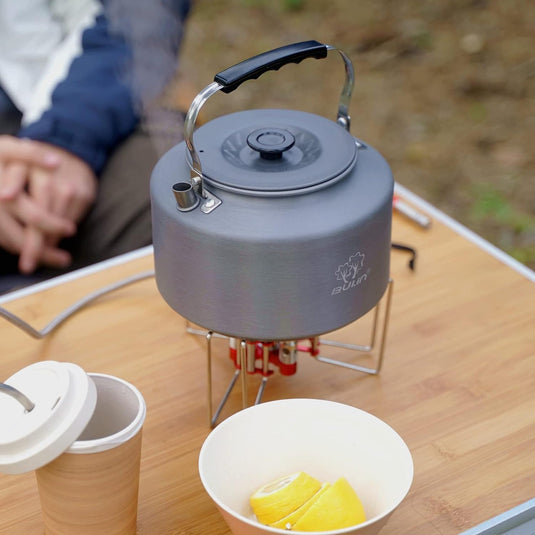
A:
231	78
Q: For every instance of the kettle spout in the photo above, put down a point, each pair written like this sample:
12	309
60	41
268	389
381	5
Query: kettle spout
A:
185	196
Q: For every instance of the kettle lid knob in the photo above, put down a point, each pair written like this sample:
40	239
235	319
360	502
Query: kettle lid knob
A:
271	142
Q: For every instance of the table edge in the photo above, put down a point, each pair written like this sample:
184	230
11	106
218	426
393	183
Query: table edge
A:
465	232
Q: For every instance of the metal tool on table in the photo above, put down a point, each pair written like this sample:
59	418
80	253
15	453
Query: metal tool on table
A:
272	227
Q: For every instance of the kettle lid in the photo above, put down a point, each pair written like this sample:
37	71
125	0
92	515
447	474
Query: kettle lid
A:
274	152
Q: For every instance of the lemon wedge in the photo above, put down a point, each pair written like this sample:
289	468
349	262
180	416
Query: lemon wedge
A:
278	499
338	507
289	521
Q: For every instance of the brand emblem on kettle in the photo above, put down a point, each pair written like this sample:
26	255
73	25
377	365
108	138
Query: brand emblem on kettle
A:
350	273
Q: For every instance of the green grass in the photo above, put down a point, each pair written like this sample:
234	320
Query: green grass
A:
517	236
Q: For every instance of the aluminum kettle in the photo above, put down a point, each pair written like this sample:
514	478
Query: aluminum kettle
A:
272	224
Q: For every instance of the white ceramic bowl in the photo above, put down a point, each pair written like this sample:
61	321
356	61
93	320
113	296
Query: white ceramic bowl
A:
326	439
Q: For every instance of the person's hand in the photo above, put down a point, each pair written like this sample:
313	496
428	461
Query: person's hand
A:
22	213
16	156
17	210
22	151
44	192
68	191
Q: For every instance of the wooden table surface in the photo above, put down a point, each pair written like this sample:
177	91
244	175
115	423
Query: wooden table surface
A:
458	384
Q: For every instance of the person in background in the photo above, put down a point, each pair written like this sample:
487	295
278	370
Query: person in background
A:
81	128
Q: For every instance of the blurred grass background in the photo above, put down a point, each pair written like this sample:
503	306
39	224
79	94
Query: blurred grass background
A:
445	90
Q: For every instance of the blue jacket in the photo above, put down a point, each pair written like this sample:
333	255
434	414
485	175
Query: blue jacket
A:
119	72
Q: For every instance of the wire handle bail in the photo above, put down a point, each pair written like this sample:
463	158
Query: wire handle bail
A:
231	78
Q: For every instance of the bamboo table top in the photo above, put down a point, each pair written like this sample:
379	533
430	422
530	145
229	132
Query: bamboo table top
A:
457	383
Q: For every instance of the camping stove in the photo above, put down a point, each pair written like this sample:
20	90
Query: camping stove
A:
265	358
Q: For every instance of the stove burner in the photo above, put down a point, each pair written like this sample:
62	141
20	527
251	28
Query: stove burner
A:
266	357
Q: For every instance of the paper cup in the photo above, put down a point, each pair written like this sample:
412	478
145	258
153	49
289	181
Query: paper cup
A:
93	486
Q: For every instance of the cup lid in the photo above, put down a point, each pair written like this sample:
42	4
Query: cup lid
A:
64	399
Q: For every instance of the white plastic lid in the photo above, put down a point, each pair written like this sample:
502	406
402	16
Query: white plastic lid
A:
64	397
